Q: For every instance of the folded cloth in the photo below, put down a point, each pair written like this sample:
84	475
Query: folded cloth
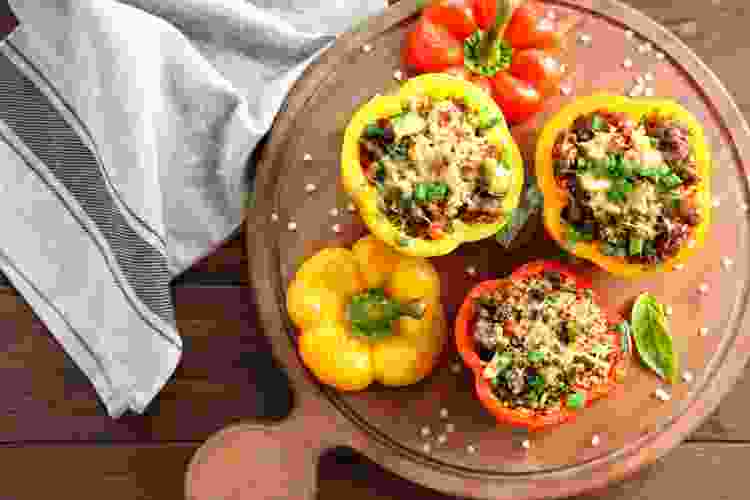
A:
125	137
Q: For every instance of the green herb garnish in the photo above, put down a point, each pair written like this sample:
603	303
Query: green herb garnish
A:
620	189
650	331
655	172
576	400
613	250
536	356
669	182
426	192
636	246
373	130
598	123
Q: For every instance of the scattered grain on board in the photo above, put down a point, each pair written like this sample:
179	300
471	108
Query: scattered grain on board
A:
526	444
367	48
662	395
703	331
595	440
627	63
688	28
703	288
310	188
275	217
443	412
398	75
726	262
334	212
350	207
336	228
687	377
292	226
425	431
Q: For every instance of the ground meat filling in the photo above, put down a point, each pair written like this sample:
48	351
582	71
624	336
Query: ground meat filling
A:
631	186
432	164
542	341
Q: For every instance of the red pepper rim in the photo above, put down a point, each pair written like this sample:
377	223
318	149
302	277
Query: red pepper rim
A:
524	417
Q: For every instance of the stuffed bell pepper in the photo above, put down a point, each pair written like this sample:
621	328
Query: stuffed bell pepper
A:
367	314
509	48
540	346
626	182
432	167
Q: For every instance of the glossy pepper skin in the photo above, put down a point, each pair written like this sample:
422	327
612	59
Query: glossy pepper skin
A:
533	42
555	197
318	302
522	417
365	195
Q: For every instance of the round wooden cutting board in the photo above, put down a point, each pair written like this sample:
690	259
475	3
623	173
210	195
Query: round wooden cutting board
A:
466	452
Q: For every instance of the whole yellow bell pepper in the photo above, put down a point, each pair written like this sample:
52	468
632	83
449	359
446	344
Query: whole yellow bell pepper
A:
365	194
367	314
555	197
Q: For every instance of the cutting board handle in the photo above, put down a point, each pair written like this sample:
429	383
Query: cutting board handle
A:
271	461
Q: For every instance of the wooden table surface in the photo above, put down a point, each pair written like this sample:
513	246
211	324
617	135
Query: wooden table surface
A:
55	436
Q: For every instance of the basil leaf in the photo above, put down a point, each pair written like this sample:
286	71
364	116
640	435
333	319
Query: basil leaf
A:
652	339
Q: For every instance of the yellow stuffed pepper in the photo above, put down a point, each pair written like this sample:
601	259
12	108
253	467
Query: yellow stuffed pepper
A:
626	182
433	166
367	314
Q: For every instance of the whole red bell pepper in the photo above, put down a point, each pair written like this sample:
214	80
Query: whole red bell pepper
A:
527	417
510	50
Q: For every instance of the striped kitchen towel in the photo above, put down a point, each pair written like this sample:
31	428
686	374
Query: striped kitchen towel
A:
125	134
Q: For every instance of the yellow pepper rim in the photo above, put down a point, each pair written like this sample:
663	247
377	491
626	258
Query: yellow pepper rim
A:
365	195
555	198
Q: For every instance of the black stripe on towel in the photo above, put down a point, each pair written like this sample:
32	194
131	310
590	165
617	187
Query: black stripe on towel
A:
27	111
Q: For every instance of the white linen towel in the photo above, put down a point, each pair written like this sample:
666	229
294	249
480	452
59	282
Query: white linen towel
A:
125	134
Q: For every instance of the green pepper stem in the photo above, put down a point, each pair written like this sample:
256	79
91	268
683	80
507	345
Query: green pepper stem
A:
372	314
504	13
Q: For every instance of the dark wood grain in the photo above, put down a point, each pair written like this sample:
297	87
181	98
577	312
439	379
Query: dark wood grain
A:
154	472
226	374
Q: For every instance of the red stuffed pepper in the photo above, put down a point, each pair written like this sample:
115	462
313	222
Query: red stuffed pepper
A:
510	50
540	346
